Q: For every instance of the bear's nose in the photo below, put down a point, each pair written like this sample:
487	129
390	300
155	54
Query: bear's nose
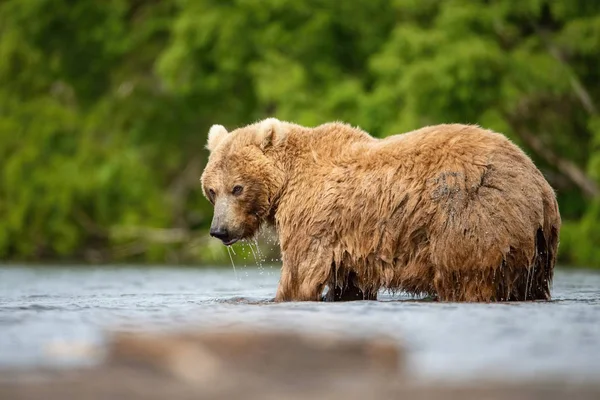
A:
220	233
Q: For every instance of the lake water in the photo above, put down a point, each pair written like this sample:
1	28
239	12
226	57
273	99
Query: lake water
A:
40	307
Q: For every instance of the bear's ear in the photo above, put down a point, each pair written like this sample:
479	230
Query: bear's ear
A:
270	132
215	135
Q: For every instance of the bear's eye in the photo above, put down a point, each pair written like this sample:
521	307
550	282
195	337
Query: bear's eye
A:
237	190
211	195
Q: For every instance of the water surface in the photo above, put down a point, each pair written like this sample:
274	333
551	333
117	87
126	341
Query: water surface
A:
40	307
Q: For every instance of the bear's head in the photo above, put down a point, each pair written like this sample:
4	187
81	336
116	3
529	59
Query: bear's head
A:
243	177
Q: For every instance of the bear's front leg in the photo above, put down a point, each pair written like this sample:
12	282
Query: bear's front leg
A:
286	288
301	281
349	293
348	290
297	289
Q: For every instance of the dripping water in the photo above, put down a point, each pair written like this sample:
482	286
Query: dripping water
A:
253	252
259	257
229	250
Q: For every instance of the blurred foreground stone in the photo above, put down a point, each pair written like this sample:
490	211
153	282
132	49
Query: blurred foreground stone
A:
214	356
248	364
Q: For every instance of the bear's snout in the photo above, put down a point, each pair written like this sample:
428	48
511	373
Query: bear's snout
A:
221	234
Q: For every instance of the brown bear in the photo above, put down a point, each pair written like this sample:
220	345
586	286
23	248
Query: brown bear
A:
453	211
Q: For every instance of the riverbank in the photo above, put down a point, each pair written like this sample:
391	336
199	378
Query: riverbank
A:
245	363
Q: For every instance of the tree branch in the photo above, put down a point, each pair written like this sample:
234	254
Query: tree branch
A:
580	91
566	167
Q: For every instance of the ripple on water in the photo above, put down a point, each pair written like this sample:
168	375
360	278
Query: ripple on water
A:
31	307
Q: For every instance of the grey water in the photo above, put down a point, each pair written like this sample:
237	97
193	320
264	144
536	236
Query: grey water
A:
46	306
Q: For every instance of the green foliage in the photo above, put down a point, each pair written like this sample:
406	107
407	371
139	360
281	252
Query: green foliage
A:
580	240
105	106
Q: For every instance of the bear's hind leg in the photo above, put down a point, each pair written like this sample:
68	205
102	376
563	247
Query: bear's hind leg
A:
465	286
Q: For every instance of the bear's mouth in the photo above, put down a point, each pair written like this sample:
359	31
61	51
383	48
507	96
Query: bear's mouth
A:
230	241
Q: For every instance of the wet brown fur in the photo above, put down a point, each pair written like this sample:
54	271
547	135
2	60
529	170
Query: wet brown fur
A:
451	211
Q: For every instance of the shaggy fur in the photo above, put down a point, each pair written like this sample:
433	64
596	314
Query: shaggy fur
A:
452	211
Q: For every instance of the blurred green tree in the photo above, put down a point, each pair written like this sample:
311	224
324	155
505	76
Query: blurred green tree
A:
104	106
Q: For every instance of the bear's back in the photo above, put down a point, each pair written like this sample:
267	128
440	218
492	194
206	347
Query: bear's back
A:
445	140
